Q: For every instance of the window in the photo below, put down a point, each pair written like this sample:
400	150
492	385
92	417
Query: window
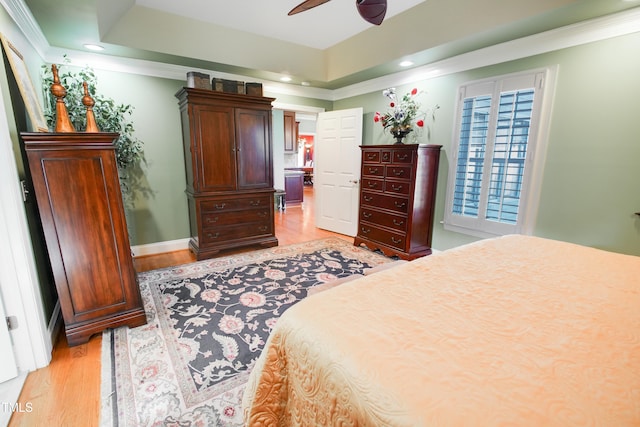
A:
493	185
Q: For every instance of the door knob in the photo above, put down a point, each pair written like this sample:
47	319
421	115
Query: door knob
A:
354	181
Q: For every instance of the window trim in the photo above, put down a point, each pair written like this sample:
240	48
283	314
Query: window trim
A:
545	79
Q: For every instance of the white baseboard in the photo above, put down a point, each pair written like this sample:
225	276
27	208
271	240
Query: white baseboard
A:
160	247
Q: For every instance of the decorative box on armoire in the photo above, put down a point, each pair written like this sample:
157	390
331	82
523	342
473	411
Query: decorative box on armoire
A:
397	198
77	188
229	168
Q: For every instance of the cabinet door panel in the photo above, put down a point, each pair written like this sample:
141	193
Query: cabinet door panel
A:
216	158
253	142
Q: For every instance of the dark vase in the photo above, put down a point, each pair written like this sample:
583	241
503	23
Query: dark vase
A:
399	134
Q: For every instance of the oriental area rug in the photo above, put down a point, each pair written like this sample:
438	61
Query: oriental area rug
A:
207	323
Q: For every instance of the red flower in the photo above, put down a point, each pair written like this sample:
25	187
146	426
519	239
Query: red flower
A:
376	118
414	91
420	123
392	104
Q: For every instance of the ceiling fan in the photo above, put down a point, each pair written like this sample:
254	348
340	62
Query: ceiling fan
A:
371	10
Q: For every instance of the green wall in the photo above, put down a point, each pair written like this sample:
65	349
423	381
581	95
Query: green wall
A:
589	191
590	186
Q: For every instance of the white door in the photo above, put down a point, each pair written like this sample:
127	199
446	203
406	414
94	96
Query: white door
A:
8	368
337	170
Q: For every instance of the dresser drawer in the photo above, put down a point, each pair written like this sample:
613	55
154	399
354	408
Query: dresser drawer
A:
372	184
233	204
396	240
402	156
398	172
384	219
235	232
397	187
229	217
371	156
372	170
398	204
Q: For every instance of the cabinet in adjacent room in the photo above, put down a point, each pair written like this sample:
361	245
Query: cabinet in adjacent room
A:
290	132
397	198
229	170
77	188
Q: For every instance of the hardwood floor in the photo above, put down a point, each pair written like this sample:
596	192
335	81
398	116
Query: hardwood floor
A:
67	392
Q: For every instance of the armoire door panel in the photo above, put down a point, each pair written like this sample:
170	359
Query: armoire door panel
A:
216	128
85	229
77	188
254	145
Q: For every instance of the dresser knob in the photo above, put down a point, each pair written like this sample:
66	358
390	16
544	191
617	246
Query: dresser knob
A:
221	206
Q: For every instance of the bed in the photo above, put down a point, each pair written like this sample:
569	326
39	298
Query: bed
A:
510	331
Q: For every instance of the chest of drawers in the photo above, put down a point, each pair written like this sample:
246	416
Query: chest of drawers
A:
397	198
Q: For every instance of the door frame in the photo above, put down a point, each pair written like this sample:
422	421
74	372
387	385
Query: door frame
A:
32	338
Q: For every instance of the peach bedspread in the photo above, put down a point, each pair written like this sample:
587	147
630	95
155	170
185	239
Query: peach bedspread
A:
512	331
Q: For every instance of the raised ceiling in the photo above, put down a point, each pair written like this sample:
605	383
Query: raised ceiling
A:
329	46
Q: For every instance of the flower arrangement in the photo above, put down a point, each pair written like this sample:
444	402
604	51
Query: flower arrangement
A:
403	113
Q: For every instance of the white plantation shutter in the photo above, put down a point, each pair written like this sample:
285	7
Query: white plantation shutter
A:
496	130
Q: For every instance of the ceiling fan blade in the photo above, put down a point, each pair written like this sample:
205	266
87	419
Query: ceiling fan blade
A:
306	5
372	11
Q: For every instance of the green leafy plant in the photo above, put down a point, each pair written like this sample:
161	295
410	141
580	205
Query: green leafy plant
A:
110	117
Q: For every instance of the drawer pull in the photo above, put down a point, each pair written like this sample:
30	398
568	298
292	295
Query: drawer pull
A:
372	184
400	204
366	214
398	222
396	187
398	172
403	156
385	157
263	228
213	235
396	241
373	171
367	198
262	214
221	205
255	202
365	230
371	156
212	220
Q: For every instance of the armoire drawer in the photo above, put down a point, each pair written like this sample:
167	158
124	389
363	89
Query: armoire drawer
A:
384	219
383	201
234	232
232	204
229	217
396	240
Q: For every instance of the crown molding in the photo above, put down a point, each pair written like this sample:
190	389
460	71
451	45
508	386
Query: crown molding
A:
589	31
21	15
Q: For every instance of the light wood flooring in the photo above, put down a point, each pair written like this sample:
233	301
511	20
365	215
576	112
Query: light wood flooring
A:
67	392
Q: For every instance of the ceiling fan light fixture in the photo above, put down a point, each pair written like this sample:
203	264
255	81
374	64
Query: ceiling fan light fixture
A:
372	11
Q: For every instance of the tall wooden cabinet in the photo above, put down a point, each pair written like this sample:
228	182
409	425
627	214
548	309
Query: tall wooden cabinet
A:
76	184
229	167
397	198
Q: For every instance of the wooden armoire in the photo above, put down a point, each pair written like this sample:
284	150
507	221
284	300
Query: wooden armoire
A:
77	188
397	198
229	167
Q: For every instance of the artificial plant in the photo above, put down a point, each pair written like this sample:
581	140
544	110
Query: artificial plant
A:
110	117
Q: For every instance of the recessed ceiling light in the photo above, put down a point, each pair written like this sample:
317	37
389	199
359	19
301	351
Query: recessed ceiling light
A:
285	79
93	46
406	64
